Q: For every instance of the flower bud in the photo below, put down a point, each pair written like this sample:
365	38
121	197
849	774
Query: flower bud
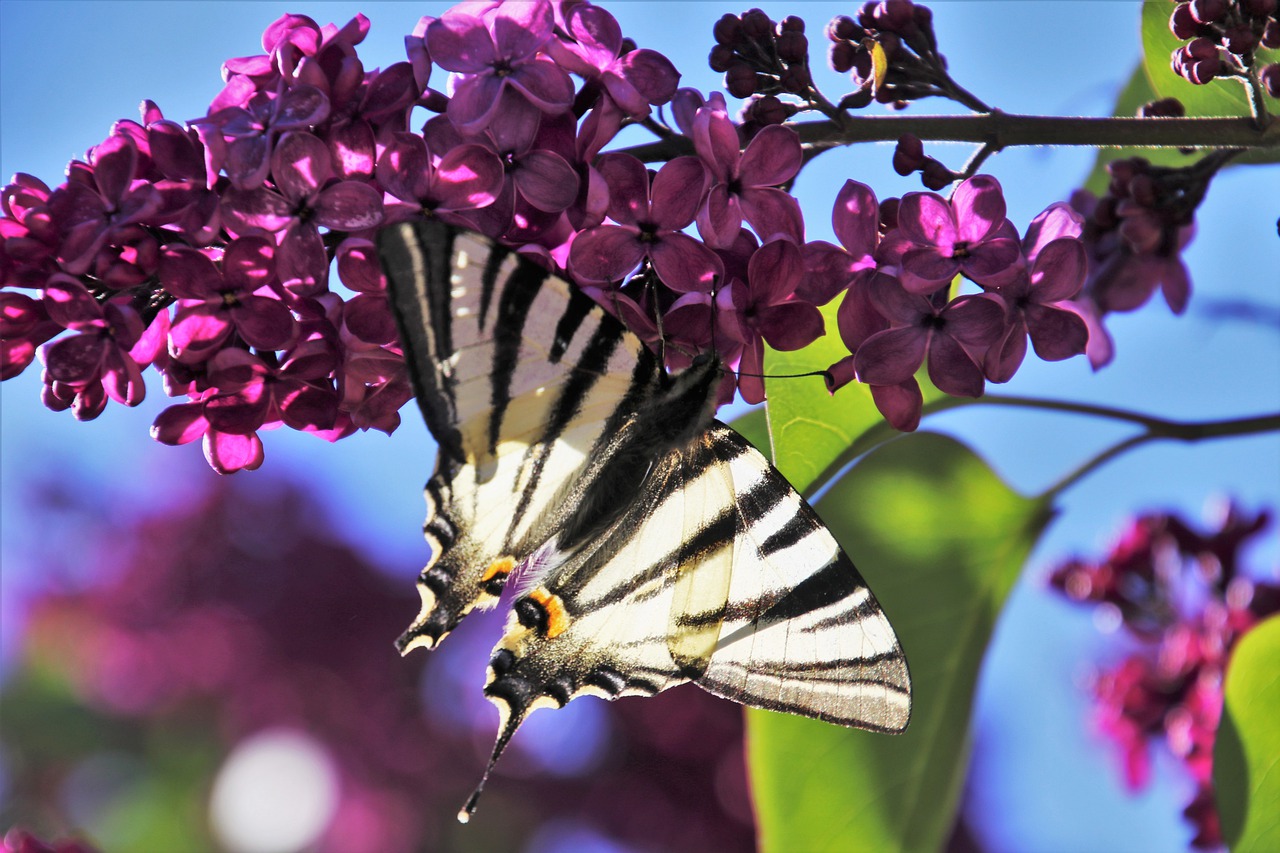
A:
843	28
1271	79
1208	11
842	55
1163	108
756	25
855	100
1240	40
720	58
740	80
791	24
793	47
1271	35
908	156
767	109
727	30
936	176
794	79
1181	24
889	214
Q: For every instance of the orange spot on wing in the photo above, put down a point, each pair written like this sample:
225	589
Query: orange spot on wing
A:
500	566
557	617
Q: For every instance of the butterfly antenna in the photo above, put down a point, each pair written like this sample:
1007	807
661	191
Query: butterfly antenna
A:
512	717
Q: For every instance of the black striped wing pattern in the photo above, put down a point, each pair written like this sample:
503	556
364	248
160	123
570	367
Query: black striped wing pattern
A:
656	545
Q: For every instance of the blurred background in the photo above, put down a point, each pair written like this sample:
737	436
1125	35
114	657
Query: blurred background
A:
190	662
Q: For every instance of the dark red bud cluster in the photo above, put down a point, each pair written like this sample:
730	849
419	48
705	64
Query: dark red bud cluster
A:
758	56
1222	36
909	157
904	32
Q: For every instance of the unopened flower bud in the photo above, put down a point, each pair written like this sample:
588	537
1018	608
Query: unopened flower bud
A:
1271	35
1202	49
1208	11
793	47
908	156
842	55
1271	79
740	80
1240	40
720	58
756	25
767	109
727	30
889	214
1163	108
936	176
856	100
1204	71
794	79
842	27
791	24
1181	24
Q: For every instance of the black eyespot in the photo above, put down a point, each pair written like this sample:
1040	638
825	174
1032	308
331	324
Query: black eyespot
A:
494	585
501	662
531	614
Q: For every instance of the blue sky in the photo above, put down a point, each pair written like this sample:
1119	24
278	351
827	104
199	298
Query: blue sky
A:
69	69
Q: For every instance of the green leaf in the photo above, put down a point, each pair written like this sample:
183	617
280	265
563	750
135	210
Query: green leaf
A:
754	427
940	539
810	427
1222	98
1246	752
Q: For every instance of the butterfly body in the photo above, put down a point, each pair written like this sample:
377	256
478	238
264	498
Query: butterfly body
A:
656	545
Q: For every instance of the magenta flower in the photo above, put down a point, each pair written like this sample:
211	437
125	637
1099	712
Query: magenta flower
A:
103	208
247	395
1056	274
830	270
744	182
367	315
308	196
539	184
466	177
632	80
24	326
99	354
252	128
969	234
373	385
216	300
919	329
649	221
494	52
765	310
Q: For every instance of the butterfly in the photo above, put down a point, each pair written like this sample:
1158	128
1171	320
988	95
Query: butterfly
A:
653	545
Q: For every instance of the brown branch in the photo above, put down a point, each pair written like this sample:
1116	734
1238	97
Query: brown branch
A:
1003	130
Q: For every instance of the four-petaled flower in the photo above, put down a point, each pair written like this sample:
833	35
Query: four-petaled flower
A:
937	239
649	221
494	52
765	310
215	300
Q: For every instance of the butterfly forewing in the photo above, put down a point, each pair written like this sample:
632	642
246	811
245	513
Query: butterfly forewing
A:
520	380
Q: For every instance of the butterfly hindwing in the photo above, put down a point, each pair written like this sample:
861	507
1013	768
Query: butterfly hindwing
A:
720	574
522	382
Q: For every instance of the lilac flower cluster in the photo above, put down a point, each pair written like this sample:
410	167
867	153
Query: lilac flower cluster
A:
896	264
206	251
1134	235
1185	597
1222	36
